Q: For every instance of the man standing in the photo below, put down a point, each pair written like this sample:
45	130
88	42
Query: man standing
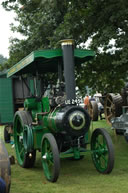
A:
86	102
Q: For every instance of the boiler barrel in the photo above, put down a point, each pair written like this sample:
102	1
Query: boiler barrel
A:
73	120
5	169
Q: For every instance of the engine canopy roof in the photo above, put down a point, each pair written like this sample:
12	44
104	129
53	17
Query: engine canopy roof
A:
43	61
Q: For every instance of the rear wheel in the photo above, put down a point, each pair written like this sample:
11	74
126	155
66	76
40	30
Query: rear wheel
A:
103	152
93	110
50	157
112	106
25	159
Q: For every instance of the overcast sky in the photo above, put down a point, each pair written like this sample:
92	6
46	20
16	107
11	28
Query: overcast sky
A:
6	18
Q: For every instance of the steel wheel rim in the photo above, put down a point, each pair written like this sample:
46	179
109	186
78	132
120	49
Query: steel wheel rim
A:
47	159
110	108
90	110
113	106
100	155
18	138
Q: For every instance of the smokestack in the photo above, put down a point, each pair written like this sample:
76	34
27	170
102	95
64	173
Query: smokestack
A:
69	72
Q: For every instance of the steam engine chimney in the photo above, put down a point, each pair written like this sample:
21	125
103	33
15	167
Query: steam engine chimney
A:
69	72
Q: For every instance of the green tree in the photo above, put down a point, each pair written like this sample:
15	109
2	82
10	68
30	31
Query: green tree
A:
3	61
37	22
44	23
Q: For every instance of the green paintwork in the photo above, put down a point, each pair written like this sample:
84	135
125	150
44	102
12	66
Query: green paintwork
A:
46	105
30	104
51	121
28	138
6	100
38	132
33	105
47	61
32	86
40	110
73	152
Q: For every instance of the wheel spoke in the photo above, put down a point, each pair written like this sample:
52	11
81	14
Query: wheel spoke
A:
18	134
104	161
110	115
104	142
110	100
108	109
45	145
21	151
50	163
46	169
104	158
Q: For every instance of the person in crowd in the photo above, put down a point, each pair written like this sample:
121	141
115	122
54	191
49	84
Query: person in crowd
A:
86	102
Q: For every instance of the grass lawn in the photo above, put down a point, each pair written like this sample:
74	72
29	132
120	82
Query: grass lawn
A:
75	176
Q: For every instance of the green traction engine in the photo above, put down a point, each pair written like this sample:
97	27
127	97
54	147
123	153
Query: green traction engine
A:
52	121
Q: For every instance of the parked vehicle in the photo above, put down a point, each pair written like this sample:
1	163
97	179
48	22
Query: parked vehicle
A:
13	92
96	107
116	111
52	120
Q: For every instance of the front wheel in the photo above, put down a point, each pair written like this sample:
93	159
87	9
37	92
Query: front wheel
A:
50	157
103	151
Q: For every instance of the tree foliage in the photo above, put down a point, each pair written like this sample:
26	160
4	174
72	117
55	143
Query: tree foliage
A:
3	61
43	23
